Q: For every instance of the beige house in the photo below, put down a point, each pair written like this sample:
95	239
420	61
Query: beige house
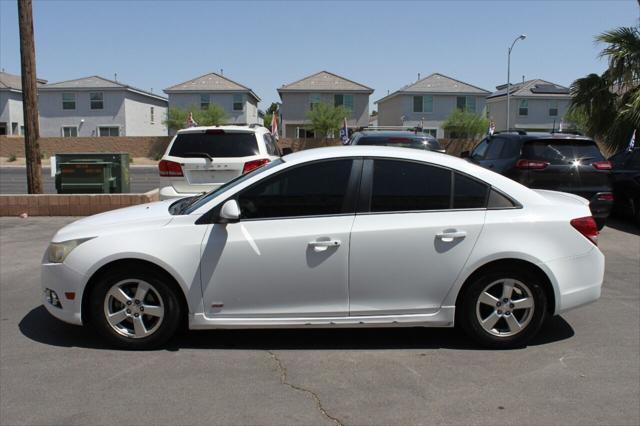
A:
299	97
428	103
536	105
239	102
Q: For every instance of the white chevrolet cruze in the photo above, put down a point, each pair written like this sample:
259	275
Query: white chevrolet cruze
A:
332	237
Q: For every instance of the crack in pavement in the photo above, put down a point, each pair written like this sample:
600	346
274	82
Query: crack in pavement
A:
283	380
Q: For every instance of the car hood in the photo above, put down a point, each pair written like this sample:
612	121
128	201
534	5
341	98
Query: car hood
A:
151	215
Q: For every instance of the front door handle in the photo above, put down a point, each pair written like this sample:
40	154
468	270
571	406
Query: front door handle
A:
448	236
319	246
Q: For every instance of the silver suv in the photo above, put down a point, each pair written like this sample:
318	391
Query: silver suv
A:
200	159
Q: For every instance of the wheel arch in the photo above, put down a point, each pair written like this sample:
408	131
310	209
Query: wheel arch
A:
517	263
126	263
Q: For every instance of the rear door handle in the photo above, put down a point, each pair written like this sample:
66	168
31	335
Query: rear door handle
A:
448	236
324	245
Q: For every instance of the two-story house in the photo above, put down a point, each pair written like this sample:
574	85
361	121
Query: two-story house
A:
535	105
96	106
299	97
239	102
11	113
429	102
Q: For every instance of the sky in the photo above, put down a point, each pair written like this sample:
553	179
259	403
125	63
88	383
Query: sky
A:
264	44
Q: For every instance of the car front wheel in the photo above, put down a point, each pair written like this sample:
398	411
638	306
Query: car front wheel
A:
135	310
503	309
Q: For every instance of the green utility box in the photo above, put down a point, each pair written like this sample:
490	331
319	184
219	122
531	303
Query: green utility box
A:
92	173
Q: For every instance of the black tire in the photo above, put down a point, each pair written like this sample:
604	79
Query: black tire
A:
600	222
167	327
467	317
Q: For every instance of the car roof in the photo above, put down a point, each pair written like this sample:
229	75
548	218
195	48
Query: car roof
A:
542	135
226	127
395	133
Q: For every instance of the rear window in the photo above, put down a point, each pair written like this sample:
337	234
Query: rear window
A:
217	145
561	151
399	141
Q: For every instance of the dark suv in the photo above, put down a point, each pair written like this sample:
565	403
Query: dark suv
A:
555	161
626	182
398	138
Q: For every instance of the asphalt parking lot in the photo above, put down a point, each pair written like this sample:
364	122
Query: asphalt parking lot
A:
583	368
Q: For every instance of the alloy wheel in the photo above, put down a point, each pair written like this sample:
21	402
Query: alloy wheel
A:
505	307
133	308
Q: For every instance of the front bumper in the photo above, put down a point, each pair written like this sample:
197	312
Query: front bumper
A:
62	279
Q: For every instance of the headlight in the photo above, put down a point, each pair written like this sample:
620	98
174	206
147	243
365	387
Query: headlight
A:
58	252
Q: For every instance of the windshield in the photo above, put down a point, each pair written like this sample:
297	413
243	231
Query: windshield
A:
201	200
562	151
403	142
215	144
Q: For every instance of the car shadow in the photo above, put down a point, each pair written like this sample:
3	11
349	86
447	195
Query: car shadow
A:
623	224
39	326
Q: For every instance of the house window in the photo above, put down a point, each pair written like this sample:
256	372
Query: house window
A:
302	133
432	132
466	103
152	114
314	99
417	104
238	102
553	108
69	132
68	101
523	107
108	131
96	100
344	100
427	103
204	101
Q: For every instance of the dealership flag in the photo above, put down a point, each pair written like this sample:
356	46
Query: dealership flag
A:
190	121
274	124
560	127
344	132
632	142
492	128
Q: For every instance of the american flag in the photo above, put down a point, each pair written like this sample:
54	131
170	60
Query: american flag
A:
190	121
274	124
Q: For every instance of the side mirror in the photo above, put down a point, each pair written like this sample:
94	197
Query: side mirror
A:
464	154
287	151
229	213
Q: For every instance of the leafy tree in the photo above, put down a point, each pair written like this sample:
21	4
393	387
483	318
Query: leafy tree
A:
212	116
611	101
326	119
465	125
269	113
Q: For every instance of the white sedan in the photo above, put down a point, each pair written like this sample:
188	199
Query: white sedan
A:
332	237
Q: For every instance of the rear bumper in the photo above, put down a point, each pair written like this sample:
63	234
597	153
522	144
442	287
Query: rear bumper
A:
599	208
169	192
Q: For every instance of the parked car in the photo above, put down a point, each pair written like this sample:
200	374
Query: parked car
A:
556	161
332	237
200	159
396	138
626	182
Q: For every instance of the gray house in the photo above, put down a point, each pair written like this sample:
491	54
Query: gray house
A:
428	103
536	105
239	102
96	106
11	115
299	97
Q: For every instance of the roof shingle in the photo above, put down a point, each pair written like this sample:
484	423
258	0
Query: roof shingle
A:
211	82
438	83
95	82
532	88
324	81
14	82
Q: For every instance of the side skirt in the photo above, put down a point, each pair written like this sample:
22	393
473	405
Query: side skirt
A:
442	318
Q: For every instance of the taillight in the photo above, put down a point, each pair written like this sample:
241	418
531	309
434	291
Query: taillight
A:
587	227
252	165
169	168
602	165
531	164
605	196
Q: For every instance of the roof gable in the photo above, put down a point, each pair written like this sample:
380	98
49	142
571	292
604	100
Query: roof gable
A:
438	83
96	82
533	88
325	81
14	82
211	82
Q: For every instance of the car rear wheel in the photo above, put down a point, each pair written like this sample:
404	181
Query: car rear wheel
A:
503	309
135	310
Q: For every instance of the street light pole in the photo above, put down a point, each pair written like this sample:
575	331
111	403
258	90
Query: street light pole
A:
520	37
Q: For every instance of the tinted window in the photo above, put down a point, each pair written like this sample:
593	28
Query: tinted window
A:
469	193
561	151
217	145
498	201
399	141
510	149
495	148
634	161
479	151
271	145
403	186
309	190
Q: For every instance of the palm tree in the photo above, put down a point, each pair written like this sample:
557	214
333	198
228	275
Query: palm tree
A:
611	101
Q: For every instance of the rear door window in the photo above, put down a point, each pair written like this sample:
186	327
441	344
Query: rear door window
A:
408	186
562	151
495	149
217	144
469	193
480	150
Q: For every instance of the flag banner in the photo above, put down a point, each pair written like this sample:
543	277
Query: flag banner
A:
632	142
344	133
492	128
274	124
190	121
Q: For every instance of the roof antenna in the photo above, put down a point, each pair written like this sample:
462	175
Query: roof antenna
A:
221	71
523	79
115	76
418	76
387	91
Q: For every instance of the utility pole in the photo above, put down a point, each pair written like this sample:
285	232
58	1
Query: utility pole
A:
29	98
